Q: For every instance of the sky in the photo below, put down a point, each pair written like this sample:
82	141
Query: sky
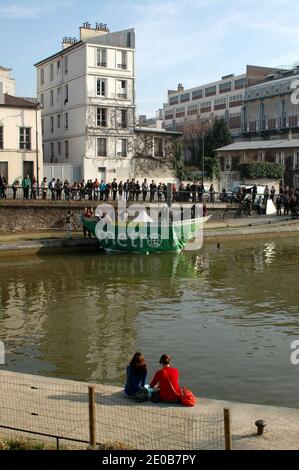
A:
193	42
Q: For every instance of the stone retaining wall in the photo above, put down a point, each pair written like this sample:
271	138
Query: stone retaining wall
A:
32	217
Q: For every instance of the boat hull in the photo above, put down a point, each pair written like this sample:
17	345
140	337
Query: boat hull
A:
143	237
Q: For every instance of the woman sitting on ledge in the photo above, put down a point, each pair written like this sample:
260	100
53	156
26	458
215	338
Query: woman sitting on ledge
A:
136	375
167	380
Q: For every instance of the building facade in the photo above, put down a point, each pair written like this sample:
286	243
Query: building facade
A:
284	152
271	108
20	134
220	99
87	91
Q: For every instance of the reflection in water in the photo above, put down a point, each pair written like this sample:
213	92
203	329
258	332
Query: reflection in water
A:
227	316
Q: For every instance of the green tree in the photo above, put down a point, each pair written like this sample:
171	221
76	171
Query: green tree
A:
217	136
179	159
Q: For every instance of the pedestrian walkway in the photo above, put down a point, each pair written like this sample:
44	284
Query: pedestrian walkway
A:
60	407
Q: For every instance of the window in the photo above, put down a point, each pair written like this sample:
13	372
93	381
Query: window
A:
52	150
158	147
225	87
66	149
52	124
102	147
58	121
210	91
66	65
235	98
206	104
196	95
51	98
58	67
123	60
1	138
42	76
122	89
240	83
101	117
4	169
168	115
66	94
66	121
58	94
43	127
101	58
101	87
180	112
220	101
124	118
297	160
185	97
42	99
122	148
51	72
25	138
59	148
173	100
192	109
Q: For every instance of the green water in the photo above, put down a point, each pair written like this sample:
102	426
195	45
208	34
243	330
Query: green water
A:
226	316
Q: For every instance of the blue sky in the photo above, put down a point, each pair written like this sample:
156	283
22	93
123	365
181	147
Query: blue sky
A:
188	41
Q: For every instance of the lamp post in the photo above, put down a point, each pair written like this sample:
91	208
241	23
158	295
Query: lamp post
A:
38	107
203	151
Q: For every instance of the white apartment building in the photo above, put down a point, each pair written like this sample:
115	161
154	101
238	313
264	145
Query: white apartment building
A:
87	91
220	99
20	133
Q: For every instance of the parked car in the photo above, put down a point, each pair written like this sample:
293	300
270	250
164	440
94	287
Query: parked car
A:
232	193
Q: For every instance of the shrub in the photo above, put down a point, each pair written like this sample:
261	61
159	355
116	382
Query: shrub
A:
256	170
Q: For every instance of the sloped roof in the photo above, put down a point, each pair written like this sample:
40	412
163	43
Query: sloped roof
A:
15	102
260	145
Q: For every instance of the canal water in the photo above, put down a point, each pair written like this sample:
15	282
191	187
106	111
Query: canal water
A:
227	316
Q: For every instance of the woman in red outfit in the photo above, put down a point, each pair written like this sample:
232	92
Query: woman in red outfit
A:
167	380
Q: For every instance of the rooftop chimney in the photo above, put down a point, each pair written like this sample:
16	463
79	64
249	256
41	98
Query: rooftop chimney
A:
180	87
68	41
87	32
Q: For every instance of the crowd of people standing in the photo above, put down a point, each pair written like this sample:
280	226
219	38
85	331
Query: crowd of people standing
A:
286	199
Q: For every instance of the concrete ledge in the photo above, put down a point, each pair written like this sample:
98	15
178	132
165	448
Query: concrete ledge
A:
47	246
281	230
69	398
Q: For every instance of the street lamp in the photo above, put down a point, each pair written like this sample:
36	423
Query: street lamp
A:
37	108
203	151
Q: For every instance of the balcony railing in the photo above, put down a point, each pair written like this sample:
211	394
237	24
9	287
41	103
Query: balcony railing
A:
122	154
102	64
122	66
122	96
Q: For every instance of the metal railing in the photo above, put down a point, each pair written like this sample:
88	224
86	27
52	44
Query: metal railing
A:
139	195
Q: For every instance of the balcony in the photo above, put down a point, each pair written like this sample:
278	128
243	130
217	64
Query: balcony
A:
122	96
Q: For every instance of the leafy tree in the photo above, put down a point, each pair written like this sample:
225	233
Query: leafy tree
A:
217	136
179	159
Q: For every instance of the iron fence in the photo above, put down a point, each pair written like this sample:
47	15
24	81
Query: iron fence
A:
80	415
